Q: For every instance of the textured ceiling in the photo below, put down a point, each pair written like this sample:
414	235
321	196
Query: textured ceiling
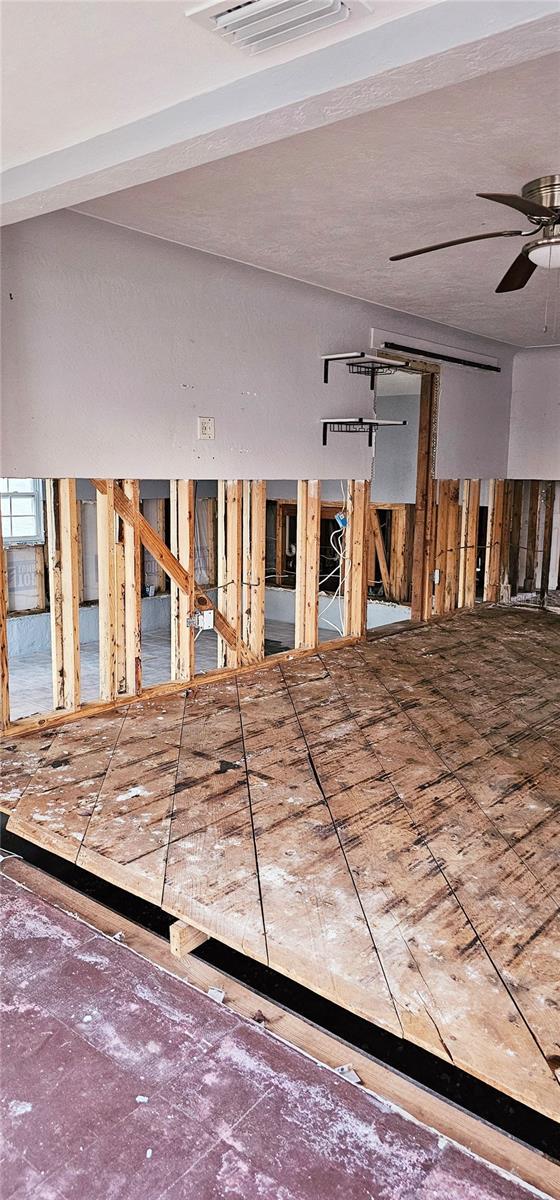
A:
71	71
331	205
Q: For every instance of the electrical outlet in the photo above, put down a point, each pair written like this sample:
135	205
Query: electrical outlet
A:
206	429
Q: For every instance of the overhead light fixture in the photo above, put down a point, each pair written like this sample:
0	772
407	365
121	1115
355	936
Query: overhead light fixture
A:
258	25
546	252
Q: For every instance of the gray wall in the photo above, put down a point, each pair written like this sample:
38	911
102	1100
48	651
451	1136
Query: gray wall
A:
115	342
534	438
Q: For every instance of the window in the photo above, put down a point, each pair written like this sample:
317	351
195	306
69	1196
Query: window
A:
22	511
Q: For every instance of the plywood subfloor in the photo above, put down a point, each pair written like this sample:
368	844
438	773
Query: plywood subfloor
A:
378	822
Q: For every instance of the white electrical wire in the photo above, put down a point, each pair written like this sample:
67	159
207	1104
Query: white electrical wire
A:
341	534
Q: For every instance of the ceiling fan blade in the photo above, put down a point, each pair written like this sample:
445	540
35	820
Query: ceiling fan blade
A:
478	237
529	207
518	274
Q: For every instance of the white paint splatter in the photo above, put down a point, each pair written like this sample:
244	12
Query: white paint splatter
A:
141	1099
133	791
18	1108
149	1152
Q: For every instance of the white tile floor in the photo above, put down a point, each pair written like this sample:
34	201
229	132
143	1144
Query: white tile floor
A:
30	676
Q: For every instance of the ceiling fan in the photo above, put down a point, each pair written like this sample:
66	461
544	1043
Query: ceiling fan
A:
540	203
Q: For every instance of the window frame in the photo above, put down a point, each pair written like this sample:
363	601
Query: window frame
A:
27	539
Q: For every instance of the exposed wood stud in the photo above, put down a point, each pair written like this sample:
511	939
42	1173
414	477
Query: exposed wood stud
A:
70	592
301	562
312	555
133	591
234	560
107	578
173	568
371	554
182	513
504	585
120	612
154	569
441	546
399	565
494	539
380	550
355	584
211	529
80	551
258	568
468	545
548	500
515	535
452	557
424	525
221	565
55	591
532	537
246	560
279	543
4	666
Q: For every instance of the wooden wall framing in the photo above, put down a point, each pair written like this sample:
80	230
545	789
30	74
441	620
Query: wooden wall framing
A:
468	541
308	534
182	538
62	546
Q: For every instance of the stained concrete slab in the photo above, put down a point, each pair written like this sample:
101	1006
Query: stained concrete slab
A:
120	1082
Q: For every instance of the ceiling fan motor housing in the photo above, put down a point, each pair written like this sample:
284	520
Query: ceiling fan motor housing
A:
544	190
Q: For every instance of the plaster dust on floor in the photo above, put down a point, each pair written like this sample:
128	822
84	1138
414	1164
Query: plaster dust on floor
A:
230	1111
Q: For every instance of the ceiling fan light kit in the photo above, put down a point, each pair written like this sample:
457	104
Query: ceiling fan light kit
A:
540	204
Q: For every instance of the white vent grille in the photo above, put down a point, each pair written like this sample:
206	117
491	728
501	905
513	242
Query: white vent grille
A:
258	25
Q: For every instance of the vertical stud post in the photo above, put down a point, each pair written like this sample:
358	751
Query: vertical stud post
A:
133	592
258	567
468	544
69	574
234	562
182	506
312	556
106	571
55	590
221	566
355	585
301	562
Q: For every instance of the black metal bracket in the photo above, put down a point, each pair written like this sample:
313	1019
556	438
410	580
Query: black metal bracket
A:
354	425
362	362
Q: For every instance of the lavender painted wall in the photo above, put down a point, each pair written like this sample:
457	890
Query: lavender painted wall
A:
534	439
115	342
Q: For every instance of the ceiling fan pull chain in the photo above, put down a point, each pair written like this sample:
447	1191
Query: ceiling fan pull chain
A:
545	326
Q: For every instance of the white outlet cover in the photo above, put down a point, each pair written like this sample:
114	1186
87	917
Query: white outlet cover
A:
206	429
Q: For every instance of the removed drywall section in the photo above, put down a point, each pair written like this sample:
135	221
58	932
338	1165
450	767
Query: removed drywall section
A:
25	569
30	633
534	432
115	344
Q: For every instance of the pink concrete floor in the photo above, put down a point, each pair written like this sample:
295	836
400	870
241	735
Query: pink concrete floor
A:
118	1080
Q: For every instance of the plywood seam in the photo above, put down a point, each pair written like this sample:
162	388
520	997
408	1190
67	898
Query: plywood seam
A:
343	852
509	989
251	814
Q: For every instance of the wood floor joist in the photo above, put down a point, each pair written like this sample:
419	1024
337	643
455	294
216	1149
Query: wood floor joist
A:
379	822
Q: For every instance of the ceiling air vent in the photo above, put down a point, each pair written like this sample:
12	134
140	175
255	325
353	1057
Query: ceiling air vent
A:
259	25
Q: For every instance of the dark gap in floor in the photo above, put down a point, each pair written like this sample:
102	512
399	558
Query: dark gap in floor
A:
417	1064
132	907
